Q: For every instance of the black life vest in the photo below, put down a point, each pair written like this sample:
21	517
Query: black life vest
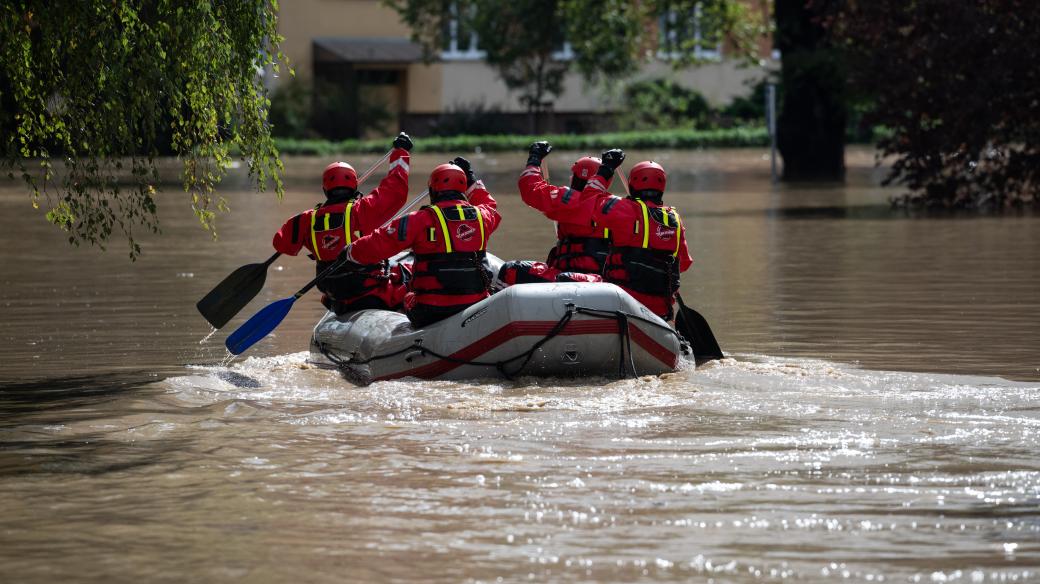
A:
653	267
455	272
333	223
569	249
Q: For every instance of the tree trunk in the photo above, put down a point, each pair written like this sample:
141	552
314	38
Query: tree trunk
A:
811	125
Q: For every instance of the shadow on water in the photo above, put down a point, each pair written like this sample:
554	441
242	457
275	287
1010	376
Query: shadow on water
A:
37	419
86	454
866	212
238	379
64	394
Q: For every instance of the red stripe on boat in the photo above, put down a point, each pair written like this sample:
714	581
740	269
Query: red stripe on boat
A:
536	328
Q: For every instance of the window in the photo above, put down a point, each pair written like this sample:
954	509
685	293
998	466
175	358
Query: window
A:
687	32
460	42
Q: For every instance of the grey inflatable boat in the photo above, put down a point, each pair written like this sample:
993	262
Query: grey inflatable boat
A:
546	330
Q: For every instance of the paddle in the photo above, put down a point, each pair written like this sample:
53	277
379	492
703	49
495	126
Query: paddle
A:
262	323
235	291
694	328
688	322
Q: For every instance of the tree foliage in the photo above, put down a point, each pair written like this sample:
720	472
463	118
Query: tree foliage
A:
609	38
105	86
663	103
958	85
526	64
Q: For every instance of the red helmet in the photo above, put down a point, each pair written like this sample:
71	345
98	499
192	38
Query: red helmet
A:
647	176
447	177
338	174
585	168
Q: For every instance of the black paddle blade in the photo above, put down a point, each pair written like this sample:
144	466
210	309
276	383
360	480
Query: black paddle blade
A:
231	295
694	328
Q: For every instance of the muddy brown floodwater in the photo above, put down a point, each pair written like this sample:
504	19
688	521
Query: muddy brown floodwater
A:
877	419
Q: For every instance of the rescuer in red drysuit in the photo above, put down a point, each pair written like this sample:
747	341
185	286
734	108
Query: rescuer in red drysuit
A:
345	216
581	248
449	238
648	241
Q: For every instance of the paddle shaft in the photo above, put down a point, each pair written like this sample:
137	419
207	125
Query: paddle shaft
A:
373	168
361	179
623	179
339	262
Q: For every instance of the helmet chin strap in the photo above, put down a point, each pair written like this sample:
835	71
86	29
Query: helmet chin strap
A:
340	194
438	196
648	195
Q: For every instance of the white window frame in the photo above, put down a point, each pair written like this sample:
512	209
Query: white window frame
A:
453	53
564	54
672	39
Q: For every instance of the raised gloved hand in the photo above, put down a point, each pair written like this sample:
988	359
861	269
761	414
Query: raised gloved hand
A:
466	168
403	141
613	158
537	152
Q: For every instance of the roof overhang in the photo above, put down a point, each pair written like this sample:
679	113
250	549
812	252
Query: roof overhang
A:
366	50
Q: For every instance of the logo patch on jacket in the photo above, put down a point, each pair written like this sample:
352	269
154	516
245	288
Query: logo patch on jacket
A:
465	232
328	241
665	233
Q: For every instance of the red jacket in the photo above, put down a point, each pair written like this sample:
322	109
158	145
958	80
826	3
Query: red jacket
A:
648	245
572	252
326	229
451	236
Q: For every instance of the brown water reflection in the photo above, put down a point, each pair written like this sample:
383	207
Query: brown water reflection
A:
128	455
802	270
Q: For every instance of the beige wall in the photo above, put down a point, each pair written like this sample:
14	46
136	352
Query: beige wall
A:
443	86
425	87
469	81
300	21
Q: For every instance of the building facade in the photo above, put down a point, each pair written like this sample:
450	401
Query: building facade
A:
363	48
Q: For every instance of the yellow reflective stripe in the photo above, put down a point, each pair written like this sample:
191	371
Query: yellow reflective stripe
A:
646	225
314	235
346	222
480	221
606	233
678	233
665	214
444	227
461	214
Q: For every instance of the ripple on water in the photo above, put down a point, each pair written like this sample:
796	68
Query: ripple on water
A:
748	469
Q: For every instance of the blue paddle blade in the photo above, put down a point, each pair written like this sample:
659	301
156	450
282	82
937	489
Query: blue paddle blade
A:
259	326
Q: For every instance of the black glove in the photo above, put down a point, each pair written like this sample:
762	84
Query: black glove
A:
613	158
466	168
403	141
537	152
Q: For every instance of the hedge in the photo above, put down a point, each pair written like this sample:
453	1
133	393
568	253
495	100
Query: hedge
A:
679	139
740	137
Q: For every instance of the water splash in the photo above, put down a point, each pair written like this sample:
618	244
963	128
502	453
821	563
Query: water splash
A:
228	358
212	332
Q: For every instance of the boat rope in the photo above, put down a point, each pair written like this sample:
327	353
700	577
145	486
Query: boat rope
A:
624	340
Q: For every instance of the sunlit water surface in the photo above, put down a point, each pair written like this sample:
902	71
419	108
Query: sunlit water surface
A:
878	419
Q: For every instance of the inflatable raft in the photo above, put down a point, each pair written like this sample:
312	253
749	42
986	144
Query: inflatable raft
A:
548	330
